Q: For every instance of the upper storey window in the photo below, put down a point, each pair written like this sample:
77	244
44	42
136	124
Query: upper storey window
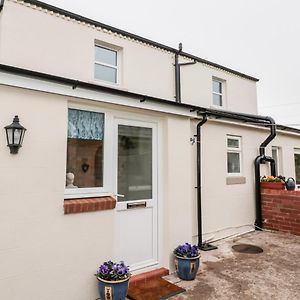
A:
106	64
218	92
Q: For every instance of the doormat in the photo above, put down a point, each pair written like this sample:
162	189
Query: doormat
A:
154	289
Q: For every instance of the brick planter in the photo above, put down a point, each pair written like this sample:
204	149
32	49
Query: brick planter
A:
281	210
272	185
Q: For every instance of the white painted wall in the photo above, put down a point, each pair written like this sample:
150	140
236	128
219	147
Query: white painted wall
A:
52	44
229	209
45	254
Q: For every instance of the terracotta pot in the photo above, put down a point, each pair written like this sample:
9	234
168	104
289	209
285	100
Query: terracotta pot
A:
272	185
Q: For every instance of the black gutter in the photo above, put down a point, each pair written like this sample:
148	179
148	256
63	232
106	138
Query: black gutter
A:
142	97
248	118
1	4
134	36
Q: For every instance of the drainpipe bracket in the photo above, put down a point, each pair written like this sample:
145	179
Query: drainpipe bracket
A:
207	247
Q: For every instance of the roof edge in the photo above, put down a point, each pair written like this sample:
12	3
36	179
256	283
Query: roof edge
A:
141	97
134	36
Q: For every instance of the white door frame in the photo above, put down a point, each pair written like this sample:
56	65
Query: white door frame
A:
156	187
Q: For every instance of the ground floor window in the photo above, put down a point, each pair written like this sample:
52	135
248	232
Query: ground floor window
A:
234	152
276	156
85	149
297	165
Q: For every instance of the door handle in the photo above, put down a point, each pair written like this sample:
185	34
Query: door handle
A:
120	195
136	205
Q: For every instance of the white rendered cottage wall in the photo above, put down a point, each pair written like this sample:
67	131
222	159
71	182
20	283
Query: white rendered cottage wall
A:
229	209
54	44
44	254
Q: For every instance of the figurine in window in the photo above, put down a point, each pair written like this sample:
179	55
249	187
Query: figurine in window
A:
69	181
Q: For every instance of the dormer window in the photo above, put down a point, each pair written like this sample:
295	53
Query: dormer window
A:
106	64
218	92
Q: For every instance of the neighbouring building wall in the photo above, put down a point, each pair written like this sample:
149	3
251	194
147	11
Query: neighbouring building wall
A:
51	43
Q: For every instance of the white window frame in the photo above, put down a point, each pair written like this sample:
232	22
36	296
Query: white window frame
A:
234	150
106	189
278	157
296	151
118	63
223	94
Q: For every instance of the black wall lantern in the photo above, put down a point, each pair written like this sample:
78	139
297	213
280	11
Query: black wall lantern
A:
14	135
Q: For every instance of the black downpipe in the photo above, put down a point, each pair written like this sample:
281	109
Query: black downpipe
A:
177	73
1	4
259	160
177	76
201	245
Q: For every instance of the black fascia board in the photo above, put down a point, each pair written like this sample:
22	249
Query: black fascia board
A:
134	36
73	83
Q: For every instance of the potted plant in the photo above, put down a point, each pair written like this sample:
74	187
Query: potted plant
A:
113	280
187	259
272	182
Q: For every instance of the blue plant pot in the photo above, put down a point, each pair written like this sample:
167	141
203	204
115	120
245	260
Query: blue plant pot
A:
187	267
113	290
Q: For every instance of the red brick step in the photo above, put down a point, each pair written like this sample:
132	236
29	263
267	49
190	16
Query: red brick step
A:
146	276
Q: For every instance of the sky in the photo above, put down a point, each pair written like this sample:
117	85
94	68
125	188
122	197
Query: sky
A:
258	37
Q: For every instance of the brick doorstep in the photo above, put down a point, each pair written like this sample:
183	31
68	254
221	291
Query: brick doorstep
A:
146	276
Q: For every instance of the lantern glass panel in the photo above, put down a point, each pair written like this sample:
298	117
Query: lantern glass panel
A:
17	136
9	133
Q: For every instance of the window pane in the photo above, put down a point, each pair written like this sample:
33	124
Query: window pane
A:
106	56
233	143
85	125
217	100
134	163
275	157
105	73
297	167
233	162
85	148
217	86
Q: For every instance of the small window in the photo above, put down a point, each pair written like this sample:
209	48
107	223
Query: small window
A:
297	165
276	156
106	64
218	92
234	152
85	149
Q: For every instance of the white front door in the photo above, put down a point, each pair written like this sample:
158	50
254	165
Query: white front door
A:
136	231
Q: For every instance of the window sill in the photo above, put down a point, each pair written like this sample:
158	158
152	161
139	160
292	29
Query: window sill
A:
235	180
81	205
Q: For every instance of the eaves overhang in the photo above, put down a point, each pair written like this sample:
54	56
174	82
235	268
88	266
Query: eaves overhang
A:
134	37
251	119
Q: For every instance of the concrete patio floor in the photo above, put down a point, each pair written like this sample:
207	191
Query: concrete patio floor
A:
226	274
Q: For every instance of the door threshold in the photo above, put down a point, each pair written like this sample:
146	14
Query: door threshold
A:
146	276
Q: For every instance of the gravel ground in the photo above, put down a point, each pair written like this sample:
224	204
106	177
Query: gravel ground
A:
226	274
